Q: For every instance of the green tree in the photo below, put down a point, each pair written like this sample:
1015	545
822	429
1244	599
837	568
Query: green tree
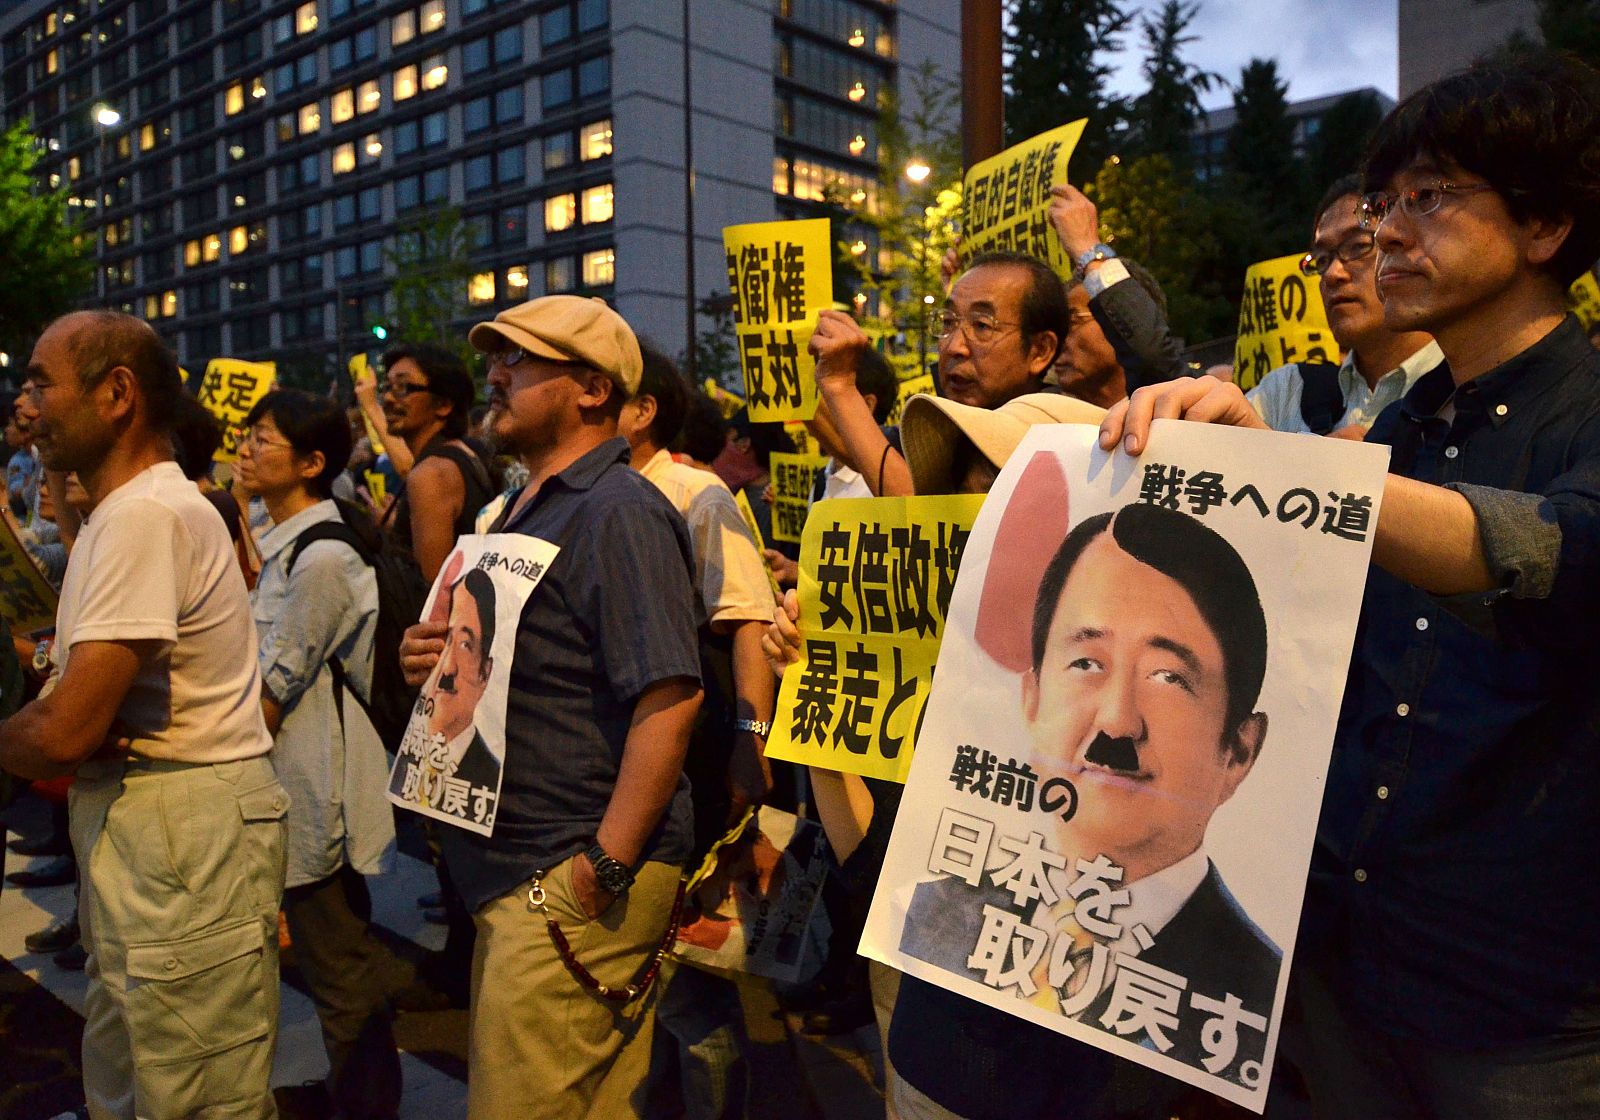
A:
48	264
1165	114
1565	25
432	263
1340	141
1261	169
715	348
1059	68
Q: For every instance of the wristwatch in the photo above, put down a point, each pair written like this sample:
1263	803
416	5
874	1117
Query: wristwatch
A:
761	727
613	877
1081	263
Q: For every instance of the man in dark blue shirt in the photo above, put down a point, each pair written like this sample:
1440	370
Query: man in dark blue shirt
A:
1449	956
574	891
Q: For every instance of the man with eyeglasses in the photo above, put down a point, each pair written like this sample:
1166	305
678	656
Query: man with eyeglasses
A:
1450	941
1380	363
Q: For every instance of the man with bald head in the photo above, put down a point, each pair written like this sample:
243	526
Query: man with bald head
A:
153	701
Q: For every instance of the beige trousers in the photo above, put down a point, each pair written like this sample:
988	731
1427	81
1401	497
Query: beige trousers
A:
180	872
542	1046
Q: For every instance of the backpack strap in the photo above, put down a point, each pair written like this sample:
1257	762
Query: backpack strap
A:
328	531
467	461
1321	398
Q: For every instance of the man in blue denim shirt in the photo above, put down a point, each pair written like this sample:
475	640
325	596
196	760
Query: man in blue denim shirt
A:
1449	960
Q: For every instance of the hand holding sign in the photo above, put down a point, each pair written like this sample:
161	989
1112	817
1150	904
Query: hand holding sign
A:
837	345
1202	399
1076	221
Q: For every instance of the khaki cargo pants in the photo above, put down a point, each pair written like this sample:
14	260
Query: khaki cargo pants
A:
180	871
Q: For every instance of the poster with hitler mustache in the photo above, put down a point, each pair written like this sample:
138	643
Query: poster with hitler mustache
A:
449	763
1112	804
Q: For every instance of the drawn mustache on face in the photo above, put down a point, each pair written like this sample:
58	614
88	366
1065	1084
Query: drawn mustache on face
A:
1114	753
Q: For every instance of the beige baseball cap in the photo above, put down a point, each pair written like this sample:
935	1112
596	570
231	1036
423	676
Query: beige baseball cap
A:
931	428
567	329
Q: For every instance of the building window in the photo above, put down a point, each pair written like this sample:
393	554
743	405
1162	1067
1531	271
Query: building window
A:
432	17
480	289
305	18
402	28
475	56
508	105
508	44
594	140
597	204
594	77
344	158
599	268
310	118
436	185
560	212
557	151
508	165
162	306
476	115
479	173
342	105
405	83
371	147
368	97
558	275
434	72
435	129
517	282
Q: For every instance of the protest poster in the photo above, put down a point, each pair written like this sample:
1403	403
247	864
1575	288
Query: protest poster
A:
450	759
804	442
377	488
876	575
1584	299
727	403
910	387
361	374
781	276
1111	808
752	906
747	512
794	477
1281	320
1006	198
229	390
27	601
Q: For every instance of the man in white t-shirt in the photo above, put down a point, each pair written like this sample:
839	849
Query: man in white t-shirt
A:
154	701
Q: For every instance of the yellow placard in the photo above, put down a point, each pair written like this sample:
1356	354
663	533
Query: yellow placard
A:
750	522
804	442
27	601
1006	198
377	486
1584	299
360	374
229	390
909	388
1281	320
781	276
793	479
875	581
729	403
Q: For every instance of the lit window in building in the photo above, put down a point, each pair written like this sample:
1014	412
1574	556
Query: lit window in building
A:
403	28
373	146
344	158
147	137
74	168
258	89
560	212
310	118
211	247
405	83
305	18
858	144
432	16
191	253
599	268
517	281
597	204
480	289
434	72
342	105
594	140
780	175
238	240
368	98
51	62
233	99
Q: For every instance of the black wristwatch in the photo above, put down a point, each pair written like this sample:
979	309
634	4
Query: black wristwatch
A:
613	877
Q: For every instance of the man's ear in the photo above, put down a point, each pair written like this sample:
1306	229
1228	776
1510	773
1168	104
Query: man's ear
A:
119	390
1244	750
1042	352
1030	695
313	465
646	405
486	668
597	389
1545	238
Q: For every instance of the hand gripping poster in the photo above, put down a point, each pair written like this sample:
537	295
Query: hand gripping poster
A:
1110	812
449	763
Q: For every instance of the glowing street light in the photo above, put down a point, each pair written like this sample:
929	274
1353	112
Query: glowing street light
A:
106	117
918	171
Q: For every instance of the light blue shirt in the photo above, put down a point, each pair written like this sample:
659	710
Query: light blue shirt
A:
1277	398
332	764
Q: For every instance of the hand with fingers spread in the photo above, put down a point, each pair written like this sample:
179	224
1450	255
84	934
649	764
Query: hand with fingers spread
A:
1204	400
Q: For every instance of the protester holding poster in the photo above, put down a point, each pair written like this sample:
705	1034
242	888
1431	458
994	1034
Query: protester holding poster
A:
1380	364
1452	925
601	684
316	613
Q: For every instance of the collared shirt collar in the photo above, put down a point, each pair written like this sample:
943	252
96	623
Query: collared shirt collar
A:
1408	371
1156	899
581	474
284	534
657	465
1504	389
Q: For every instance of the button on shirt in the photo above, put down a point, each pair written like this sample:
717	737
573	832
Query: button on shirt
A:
1278	396
1460	904
615	613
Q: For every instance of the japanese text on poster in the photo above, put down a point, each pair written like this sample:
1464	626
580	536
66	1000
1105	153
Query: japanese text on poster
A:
909	388
450	760
1006	198
1281	320
1584	299
229	390
781	276
1126	867
752	906
794	477
26	600
876	575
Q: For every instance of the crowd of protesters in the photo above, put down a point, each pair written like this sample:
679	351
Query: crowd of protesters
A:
211	716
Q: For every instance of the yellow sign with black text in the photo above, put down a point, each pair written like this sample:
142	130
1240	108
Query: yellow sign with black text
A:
229	390
1584	299
876	576
794	477
1281	320
781	276
1006	198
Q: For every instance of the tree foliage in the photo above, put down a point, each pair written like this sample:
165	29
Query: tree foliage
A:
48	263
1165	114
1059	52
1341	140
432	263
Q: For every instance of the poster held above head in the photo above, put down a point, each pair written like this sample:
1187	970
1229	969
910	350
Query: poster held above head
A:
781	276
1281	320
1006	198
229	390
1110	812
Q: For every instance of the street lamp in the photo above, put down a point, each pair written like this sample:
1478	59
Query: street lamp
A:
917	171
105	118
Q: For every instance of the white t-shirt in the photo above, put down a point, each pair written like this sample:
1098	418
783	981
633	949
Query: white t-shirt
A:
154	562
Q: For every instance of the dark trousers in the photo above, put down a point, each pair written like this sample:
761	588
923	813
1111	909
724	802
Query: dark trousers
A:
350	976
1354	1071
